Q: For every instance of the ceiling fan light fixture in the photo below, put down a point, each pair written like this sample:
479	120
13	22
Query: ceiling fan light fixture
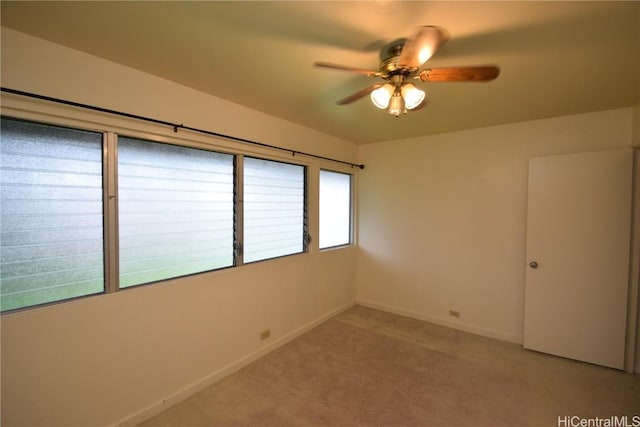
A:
412	95
397	105
381	96
400	61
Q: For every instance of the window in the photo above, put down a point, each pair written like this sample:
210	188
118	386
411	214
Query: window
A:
335	209
175	211
274	209
170	211
52	219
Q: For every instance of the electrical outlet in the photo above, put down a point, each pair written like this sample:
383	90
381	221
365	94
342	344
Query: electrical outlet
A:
454	313
265	334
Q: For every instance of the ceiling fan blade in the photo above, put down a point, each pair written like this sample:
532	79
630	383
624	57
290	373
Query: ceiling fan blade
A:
360	94
418	49
368	73
460	74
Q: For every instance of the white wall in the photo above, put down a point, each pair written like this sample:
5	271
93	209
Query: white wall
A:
442	218
102	360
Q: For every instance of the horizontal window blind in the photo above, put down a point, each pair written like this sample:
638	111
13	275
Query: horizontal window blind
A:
274	209
335	209
51	214
175	211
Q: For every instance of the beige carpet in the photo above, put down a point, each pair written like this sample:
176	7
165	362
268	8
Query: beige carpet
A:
369	368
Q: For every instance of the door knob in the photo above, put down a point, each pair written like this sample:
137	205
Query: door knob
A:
533	264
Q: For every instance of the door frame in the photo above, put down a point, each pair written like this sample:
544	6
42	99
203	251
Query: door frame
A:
632	341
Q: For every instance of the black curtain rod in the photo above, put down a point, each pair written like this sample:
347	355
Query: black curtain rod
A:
172	125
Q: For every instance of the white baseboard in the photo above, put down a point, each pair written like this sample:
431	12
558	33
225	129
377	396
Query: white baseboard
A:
443	322
195	387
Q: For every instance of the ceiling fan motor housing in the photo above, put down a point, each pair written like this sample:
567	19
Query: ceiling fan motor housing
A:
390	66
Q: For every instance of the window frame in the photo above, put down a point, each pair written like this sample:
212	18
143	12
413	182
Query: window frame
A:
117	212
105	223
305	207
351	209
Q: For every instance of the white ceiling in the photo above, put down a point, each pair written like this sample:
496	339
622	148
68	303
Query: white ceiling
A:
556	58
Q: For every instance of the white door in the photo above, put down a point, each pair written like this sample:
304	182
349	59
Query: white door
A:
578	237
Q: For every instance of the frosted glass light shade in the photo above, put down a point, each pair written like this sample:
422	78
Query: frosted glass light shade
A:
381	96
412	96
396	105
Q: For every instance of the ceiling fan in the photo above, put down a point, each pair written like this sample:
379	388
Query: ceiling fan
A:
400	63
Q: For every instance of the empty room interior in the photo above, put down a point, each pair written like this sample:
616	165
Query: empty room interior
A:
298	213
